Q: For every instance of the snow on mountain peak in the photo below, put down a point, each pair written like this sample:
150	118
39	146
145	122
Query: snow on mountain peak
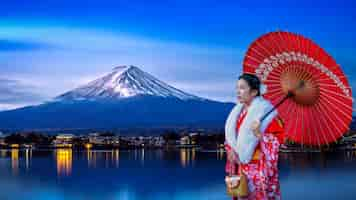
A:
122	82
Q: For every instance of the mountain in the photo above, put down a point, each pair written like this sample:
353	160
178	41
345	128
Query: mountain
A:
127	97
124	82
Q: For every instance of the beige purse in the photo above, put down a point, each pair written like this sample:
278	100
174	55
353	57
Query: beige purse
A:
236	185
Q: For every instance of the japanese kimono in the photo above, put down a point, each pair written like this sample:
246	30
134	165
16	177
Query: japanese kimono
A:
258	157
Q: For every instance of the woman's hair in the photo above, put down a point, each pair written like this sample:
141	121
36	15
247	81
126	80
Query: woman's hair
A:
253	81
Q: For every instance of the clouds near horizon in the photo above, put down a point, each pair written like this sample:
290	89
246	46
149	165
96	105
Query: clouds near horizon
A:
196	46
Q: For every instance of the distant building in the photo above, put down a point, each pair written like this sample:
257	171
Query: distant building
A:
99	139
194	137
193	134
185	140
63	140
158	141
145	141
95	138
350	139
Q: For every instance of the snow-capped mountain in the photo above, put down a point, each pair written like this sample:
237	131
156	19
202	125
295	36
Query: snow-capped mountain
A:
124	82
125	98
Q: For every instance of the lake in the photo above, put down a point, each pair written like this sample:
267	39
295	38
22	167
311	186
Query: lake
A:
161	175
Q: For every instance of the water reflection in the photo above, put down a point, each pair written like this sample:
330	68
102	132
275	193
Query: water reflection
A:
187	157
220	154
91	158
135	154
64	162
28	157
117	158
111	158
15	161
298	161
142	156
301	174
350	155
106	159
3	153
193	155
159	154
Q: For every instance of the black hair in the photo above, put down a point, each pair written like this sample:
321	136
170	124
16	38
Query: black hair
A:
253	81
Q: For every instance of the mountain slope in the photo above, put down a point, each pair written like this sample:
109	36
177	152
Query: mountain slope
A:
124	82
141	111
125	98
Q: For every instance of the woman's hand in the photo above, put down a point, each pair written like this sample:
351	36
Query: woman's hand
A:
256	125
232	157
232	182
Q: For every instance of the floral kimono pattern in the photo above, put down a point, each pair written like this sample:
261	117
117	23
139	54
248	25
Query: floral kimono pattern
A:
262	174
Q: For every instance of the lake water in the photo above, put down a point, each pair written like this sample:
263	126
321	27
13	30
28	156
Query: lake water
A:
161	175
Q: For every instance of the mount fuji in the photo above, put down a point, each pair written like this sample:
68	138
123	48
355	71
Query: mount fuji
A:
127	97
125	82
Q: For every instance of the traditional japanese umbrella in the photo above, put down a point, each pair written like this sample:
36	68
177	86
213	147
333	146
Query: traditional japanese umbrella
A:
306	85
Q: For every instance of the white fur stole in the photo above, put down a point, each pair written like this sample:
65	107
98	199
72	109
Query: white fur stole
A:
245	142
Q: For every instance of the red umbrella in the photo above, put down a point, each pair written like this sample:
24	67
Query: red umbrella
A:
309	88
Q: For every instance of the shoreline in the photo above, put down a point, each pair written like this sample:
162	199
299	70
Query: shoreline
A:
174	148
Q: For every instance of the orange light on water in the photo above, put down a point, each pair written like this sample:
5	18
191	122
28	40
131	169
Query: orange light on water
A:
64	162
15	161
187	156
117	157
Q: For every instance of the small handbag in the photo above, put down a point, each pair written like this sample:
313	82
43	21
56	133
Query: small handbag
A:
236	185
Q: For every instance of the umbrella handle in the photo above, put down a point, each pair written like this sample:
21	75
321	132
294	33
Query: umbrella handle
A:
290	94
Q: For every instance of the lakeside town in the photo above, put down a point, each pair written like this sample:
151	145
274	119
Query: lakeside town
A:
169	140
109	140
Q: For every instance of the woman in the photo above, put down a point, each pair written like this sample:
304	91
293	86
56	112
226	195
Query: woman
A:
252	146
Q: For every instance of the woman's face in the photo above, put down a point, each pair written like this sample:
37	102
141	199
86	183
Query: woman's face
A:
244	92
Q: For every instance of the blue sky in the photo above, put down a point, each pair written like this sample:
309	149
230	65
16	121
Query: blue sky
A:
50	47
